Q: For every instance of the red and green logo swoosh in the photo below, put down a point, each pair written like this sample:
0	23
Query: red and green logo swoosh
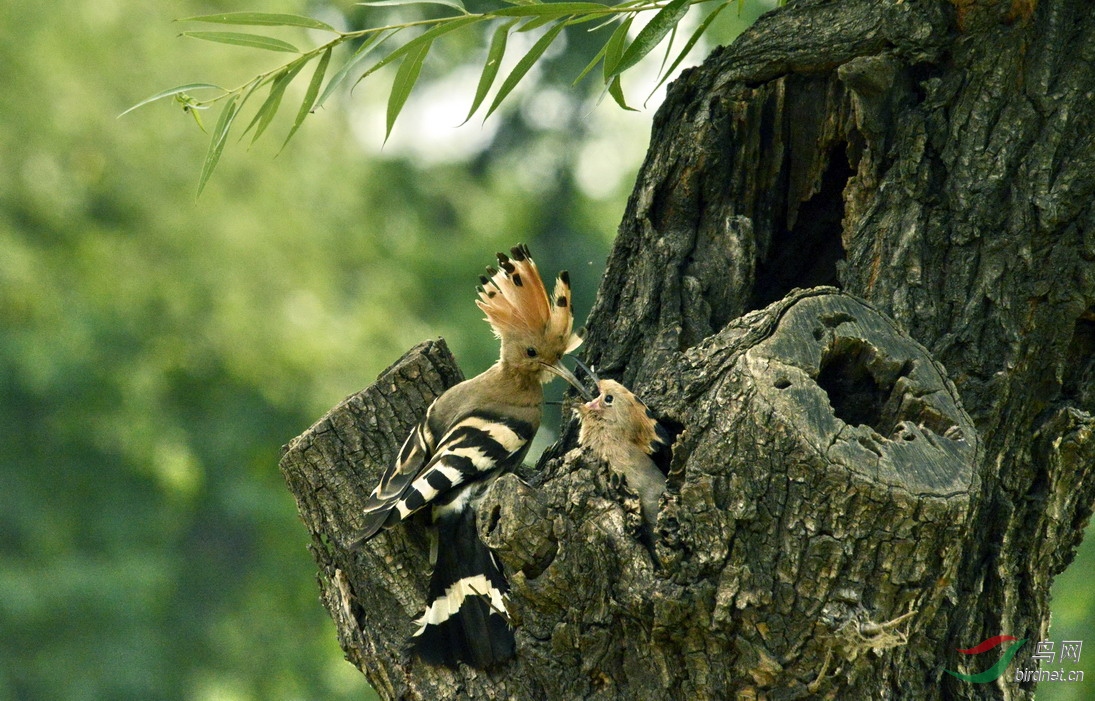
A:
992	673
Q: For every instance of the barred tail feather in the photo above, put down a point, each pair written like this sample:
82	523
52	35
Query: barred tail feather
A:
465	619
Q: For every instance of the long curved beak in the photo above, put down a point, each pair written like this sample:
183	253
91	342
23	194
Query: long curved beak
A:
565	373
588	370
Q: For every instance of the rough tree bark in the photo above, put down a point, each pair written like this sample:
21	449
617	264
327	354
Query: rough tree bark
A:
866	475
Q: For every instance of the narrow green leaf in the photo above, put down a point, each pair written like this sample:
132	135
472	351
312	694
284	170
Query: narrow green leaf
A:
536	23
254	85
495	54
689	44
356	60
415	44
173	91
614	17
265	19
454	4
524	65
270	106
652	34
630	3
216	141
254	41
405	78
593	17
197	118
553	9
311	94
591	65
669	48
614	49
617	93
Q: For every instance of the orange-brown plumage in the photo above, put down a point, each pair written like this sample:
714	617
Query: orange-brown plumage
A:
617	423
619	429
536	330
516	301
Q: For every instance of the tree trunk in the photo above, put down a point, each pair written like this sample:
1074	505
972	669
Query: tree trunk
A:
866	476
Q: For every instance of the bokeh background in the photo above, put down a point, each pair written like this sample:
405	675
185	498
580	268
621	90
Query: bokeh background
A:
158	349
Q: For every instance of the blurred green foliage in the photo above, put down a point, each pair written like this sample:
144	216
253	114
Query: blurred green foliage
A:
156	350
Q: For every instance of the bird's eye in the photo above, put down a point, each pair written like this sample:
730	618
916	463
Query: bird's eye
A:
530	352
608	400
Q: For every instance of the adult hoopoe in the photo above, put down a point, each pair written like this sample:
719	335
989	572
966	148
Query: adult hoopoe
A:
619	429
471	434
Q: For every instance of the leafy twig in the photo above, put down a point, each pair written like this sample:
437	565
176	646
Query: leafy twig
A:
617	56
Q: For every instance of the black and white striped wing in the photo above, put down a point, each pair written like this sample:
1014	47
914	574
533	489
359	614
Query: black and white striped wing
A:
409	463
477	447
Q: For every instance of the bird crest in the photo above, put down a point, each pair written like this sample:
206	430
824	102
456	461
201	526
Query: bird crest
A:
516	301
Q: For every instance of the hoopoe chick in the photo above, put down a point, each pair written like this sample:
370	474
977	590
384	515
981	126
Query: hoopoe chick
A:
619	429
471	434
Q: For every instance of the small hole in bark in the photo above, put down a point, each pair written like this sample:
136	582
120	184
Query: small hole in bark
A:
495	517
663	456
782	383
836	319
535	569
854	394
924	78
860	383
